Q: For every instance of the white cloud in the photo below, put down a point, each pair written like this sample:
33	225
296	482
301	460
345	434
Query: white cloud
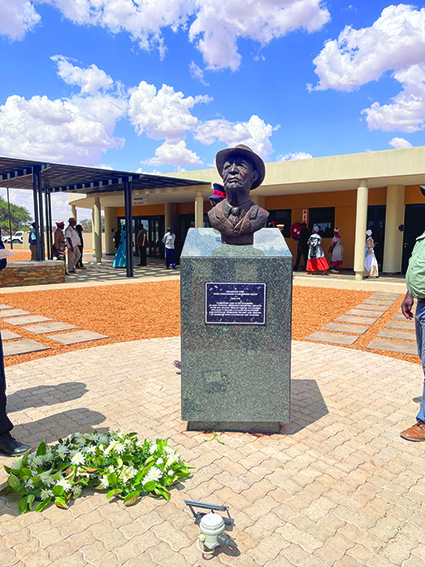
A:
219	25
406	112
255	133
74	130
164	113
197	73
395	41
91	80
17	17
294	156
215	27
399	143
173	153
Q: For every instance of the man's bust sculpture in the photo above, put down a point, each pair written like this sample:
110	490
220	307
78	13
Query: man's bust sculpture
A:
237	217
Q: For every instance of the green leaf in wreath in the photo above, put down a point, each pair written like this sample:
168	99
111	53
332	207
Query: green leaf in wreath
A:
30	500
149	461
150	485
14	482
60	503
57	490
131	501
43	504
135	494
41	451
22	504
113	492
24	473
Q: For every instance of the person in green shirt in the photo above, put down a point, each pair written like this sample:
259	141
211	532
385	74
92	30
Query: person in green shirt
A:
415	282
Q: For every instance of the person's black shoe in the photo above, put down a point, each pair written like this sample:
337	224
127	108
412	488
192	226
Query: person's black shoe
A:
10	447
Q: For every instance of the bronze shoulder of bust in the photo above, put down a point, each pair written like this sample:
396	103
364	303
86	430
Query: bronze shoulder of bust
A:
238	217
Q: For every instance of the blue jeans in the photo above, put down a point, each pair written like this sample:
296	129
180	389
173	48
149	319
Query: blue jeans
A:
170	257
420	339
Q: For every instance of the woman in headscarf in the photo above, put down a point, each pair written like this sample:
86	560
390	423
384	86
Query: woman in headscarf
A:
337	252
316	261
371	265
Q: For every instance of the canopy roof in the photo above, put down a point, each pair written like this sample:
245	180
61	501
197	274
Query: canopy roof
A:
56	177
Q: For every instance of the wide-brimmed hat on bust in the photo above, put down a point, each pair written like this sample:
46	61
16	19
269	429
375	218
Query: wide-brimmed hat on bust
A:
60	224
223	155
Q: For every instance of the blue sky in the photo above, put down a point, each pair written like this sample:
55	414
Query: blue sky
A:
161	86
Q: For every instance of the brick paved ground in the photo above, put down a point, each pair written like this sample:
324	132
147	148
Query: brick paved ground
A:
338	487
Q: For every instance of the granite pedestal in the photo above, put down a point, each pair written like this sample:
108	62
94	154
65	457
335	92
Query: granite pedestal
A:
236	339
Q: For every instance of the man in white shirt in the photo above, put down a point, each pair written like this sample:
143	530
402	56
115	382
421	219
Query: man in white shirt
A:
170	253
72	242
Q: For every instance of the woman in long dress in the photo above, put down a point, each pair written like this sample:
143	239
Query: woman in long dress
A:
337	252
316	261
371	265
120	260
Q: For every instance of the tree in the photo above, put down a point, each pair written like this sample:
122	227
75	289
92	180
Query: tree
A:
20	217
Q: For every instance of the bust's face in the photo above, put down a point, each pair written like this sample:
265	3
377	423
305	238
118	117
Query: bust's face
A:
238	175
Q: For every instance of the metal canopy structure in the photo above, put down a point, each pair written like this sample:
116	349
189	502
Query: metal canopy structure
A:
44	178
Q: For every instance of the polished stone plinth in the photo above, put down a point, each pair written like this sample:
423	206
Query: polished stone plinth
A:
236	376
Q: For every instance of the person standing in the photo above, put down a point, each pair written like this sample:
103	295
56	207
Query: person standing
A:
371	264
58	248
142	242
316	257
9	446
218	195
72	243
79	265
337	252
415	282
302	248
33	242
117	237
170	253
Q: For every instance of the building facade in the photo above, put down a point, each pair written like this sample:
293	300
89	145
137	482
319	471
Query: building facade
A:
376	190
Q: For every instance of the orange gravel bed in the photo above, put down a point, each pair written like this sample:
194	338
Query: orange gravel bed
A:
152	310
20	256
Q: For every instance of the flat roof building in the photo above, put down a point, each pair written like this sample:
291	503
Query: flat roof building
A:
377	190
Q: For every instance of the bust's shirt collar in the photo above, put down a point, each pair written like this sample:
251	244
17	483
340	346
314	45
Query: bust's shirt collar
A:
243	207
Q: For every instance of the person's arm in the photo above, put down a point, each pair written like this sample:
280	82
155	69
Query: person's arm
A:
406	306
70	245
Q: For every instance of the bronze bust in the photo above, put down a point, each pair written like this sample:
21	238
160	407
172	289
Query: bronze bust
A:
237	217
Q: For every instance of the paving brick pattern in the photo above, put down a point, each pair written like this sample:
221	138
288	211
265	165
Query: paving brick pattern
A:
337	488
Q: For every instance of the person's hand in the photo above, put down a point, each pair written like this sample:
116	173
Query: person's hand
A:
406	306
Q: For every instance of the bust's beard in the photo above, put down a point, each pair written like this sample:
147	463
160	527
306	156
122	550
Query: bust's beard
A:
236	195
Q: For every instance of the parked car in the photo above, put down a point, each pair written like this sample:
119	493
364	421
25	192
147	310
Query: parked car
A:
17	238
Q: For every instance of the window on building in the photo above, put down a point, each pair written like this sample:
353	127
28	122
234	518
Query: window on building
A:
282	216
324	217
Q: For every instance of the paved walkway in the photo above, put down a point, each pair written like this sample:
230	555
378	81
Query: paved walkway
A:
338	487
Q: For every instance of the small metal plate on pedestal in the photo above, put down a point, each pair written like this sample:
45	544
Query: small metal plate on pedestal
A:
235	303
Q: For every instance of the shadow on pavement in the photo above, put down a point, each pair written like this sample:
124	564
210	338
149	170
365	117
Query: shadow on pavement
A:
59	425
40	396
307	406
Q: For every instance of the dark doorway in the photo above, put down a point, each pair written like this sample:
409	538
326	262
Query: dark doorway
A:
155	228
376	223
414	225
